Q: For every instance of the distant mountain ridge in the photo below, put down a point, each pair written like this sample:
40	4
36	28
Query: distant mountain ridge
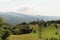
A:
16	18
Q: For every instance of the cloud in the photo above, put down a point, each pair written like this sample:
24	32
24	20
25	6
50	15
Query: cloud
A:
23	9
5	0
38	10
33	7
31	10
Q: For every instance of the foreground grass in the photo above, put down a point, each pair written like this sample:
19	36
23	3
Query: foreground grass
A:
31	36
47	33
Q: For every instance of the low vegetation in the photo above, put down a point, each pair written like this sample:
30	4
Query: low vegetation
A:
36	30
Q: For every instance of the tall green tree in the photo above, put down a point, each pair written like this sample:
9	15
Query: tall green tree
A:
2	21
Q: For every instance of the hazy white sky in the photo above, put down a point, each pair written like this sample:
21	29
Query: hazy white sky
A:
31	7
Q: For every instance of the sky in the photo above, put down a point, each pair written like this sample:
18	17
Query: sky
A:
31	7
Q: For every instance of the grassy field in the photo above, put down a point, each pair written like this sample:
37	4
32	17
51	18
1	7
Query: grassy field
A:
31	36
48	32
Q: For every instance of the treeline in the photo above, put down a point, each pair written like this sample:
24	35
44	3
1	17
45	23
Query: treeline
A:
55	21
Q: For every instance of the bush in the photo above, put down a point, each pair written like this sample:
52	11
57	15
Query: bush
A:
34	31
53	39
45	24
26	29
56	33
56	26
5	35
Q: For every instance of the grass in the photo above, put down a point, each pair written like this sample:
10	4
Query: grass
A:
31	36
48	32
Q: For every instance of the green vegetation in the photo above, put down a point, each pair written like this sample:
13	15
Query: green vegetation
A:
47	33
36	30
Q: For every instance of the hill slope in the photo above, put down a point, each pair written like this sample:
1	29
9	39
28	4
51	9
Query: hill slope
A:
16	18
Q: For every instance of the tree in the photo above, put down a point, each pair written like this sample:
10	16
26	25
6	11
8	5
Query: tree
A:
5	35
49	23
25	29
24	23
2	21
33	22
44	24
56	26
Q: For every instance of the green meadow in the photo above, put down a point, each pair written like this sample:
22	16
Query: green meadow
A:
46	33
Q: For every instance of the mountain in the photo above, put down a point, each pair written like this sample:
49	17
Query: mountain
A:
13	18
47	18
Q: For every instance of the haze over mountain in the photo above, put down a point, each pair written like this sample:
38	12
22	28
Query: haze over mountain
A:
13	18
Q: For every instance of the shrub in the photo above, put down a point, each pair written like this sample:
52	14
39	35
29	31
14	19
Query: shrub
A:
53	39
5	35
34	31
